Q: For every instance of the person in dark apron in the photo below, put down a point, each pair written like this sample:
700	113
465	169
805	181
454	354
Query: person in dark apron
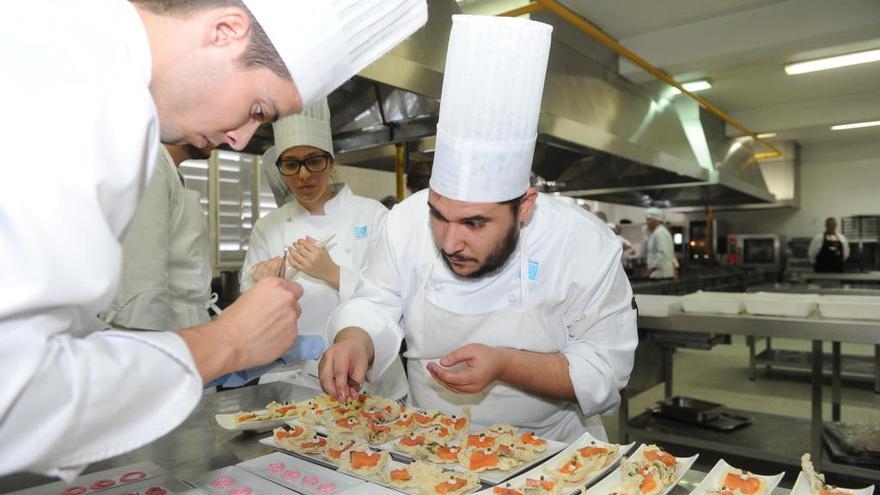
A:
829	249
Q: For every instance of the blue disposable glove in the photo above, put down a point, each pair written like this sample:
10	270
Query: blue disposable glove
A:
304	348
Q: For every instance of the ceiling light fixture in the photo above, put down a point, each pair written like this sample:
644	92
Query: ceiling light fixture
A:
694	86
833	62
766	135
855	125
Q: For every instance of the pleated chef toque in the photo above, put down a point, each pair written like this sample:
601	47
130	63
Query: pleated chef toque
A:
489	108
325	42
311	127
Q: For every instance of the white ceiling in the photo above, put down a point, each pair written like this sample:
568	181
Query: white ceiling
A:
742	46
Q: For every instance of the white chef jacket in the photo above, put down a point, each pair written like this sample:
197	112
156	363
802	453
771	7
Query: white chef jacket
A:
79	137
816	246
580	291
166	265
355	221
661	253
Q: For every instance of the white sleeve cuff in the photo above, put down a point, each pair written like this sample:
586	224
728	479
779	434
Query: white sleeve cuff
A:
595	393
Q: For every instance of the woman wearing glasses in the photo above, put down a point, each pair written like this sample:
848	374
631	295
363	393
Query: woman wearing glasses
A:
318	209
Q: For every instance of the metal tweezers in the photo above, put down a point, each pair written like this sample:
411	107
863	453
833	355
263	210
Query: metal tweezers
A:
283	270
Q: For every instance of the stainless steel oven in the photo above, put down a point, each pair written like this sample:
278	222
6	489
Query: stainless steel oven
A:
762	251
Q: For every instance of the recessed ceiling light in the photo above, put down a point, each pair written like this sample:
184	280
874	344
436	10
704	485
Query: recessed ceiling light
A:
694	86
766	135
855	125
833	62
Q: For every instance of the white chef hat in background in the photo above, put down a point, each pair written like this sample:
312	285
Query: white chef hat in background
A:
325	42
311	127
489	108
655	214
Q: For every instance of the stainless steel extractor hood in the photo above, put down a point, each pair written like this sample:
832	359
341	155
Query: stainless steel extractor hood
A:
602	137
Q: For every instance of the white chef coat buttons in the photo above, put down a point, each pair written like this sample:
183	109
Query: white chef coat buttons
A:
512	298
348	250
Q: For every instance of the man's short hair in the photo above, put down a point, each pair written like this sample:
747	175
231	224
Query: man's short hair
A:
418	176
260	51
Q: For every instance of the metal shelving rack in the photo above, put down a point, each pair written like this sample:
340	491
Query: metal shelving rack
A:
864	230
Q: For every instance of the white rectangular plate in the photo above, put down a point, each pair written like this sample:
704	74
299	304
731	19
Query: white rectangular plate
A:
802	487
570	488
604	487
236	481
375	483
300	475
125	475
227	421
171	486
715	477
491	476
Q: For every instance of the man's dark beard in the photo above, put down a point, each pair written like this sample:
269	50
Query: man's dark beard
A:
196	153
496	259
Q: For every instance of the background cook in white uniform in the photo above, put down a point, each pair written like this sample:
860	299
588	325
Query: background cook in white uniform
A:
69	396
166	258
335	210
660	262
562	295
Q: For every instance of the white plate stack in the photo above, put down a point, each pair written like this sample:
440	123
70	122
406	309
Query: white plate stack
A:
657	305
725	303
850	307
780	304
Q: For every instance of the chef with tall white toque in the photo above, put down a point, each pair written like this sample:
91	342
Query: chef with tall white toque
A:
512	304
197	72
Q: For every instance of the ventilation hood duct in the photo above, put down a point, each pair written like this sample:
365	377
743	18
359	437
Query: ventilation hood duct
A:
604	138
733	177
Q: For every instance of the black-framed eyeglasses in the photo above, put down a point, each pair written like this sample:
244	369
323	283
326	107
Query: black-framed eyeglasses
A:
313	163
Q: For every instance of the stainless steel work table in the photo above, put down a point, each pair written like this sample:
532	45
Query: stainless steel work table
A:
840	277
199	445
814	329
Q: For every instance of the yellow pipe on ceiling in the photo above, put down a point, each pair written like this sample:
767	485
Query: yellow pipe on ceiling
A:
399	169
591	30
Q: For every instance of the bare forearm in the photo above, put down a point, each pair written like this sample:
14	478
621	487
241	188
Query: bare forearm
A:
333	279
213	355
541	374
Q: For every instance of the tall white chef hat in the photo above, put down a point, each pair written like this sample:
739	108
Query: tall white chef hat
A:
655	214
311	127
325	42
489	108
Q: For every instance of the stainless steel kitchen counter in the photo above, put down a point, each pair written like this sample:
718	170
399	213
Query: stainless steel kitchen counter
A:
843	277
811	328
815	329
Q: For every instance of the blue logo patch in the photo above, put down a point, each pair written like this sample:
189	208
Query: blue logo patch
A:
534	268
360	231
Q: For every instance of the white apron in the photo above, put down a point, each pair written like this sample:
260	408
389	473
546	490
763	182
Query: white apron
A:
319	299
432	332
